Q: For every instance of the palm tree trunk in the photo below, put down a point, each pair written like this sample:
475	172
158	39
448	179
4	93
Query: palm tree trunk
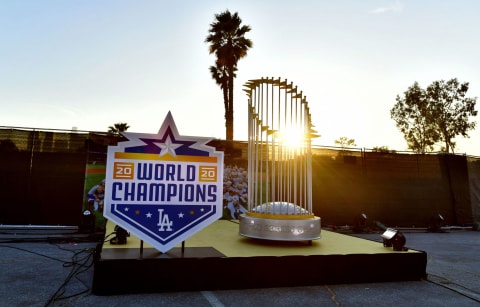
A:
225	103
229	111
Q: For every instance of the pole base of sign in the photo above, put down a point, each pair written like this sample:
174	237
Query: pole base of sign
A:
218	258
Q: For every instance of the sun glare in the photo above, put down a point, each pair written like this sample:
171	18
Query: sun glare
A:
292	138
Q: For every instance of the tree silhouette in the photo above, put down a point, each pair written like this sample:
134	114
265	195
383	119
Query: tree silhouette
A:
415	119
383	149
117	128
451	109
345	142
228	42
436	114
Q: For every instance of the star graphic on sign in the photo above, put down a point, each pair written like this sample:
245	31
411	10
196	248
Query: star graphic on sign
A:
168	147
180	215
166	141
149	215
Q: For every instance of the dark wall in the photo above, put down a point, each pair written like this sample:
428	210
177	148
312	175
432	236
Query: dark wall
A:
43	189
473	165
397	190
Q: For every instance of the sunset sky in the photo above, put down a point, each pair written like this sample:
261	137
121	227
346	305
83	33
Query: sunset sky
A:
89	64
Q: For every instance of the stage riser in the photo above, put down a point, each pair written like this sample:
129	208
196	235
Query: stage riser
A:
122	276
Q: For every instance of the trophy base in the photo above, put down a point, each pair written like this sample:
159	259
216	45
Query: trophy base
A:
280	229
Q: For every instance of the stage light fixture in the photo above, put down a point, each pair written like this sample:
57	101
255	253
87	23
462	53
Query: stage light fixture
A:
435	224
87	222
394	238
120	236
360	223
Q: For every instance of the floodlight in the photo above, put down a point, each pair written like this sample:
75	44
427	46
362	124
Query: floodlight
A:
435	224
120	236
394	238
87	222
360	223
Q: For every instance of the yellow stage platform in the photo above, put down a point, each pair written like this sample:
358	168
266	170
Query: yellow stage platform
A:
223	236
219	258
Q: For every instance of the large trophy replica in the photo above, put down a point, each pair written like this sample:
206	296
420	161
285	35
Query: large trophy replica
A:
279	164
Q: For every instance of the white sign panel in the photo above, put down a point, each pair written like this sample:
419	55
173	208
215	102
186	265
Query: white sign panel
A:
164	187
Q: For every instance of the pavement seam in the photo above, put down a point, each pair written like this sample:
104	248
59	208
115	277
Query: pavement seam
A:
333	296
212	299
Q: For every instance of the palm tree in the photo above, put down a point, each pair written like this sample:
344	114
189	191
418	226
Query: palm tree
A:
220	75
117	128
228	42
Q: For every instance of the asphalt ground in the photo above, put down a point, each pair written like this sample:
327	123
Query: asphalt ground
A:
51	269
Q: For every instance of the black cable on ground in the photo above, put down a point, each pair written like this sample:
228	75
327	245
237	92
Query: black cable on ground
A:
35	253
463	293
81	261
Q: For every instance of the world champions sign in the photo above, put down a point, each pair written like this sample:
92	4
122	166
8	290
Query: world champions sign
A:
164	187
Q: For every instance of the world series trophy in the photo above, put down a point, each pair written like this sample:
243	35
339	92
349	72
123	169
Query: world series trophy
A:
279	164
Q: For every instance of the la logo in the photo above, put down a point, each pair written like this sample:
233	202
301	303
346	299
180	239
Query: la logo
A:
164	221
